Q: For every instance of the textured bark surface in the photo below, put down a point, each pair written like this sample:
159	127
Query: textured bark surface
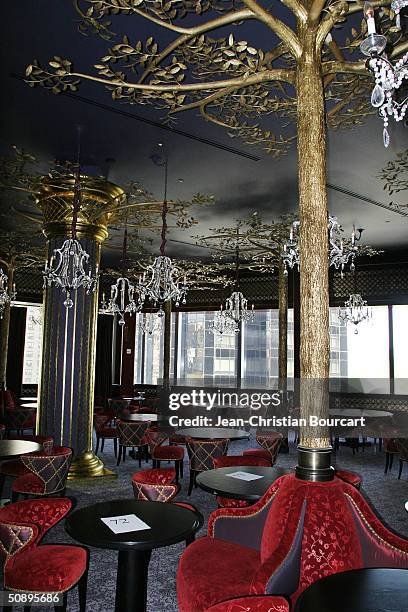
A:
283	323
4	333
314	277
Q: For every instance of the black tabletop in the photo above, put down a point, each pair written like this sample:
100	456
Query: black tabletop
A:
213	433
364	590
10	449
168	524
219	482
138	416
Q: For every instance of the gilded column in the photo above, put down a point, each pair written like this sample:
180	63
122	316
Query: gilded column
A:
66	396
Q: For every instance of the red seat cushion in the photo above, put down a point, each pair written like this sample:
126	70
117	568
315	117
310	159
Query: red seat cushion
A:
258	452
199	586
28	483
14	468
47	568
172	453
108	432
349	477
227	502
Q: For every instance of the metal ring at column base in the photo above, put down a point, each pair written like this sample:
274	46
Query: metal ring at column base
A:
88	465
314	464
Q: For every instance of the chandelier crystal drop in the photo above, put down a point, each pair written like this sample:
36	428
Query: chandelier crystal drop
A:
355	311
161	283
388	77
5	296
222	324
341	253
150	323
121	300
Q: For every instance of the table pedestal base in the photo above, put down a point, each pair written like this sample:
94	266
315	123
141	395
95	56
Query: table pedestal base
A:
131	583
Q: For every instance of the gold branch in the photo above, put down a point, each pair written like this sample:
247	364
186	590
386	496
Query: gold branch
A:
297	9
316	10
285	33
338	11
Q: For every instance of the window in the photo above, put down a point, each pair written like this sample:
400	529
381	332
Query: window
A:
32	345
400	334
148	356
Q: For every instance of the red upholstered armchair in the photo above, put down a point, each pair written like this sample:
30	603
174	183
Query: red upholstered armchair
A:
104	432
131	434
232	460
255	603
155	485
20	419
47	568
202	454
160	451
16	467
270	442
296	534
47	473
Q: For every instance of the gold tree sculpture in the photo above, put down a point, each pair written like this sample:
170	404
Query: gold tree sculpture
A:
307	76
24	248
395	177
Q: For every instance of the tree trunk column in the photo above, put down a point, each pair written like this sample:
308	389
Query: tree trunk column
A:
314	449
66	398
283	324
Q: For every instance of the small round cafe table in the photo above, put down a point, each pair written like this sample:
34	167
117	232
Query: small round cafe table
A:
220	482
137	416
357	413
168	524
213	433
11	449
362	590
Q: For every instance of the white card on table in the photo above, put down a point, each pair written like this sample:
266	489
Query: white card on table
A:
244	476
124	523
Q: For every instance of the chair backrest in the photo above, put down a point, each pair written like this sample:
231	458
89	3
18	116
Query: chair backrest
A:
203	452
155	485
402	446
231	460
2	431
101	419
47	442
19	418
44	513
52	469
155	439
270	441
131	433
117	405
14	536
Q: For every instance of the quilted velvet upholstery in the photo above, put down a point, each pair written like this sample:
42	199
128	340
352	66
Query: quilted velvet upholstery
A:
43	513
203	452
299	532
48	473
131	433
263	603
155	485
102	428
47	568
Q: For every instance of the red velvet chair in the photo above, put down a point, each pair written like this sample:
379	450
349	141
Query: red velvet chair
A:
296	534
16	467
47	473
48	568
159	451
20	419
104	431
351	478
202	454
402	446
131	434
269	442
391	449
255	603
231	460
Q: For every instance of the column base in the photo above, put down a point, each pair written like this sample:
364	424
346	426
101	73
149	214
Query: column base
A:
314	464
88	465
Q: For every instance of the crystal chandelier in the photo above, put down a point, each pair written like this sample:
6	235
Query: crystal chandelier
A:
354	311
388	78
121	301
341	253
221	324
236	309
5	296
69	268
149	324
161	282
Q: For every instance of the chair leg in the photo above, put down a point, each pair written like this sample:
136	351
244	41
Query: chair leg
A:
190	540
177	466
97	445
191	484
62	608
181	469
2	480
115	446
27	608
387	462
124	454
400	469
391	460
119	454
82	587
103	444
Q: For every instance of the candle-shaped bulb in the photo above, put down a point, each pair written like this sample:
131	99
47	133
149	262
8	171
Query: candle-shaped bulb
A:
369	15
353	236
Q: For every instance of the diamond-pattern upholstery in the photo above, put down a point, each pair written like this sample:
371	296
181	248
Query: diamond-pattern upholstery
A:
155	485
202	454
131	433
18	419
48	473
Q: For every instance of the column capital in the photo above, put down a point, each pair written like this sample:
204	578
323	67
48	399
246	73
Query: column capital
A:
100	199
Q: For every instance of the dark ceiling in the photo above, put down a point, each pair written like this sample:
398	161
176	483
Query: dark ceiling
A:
243	180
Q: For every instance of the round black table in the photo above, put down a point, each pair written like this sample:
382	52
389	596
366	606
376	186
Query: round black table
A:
364	590
10	449
138	416
218	481
168	524
213	433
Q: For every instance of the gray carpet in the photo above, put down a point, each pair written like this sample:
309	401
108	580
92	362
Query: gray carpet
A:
386	493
